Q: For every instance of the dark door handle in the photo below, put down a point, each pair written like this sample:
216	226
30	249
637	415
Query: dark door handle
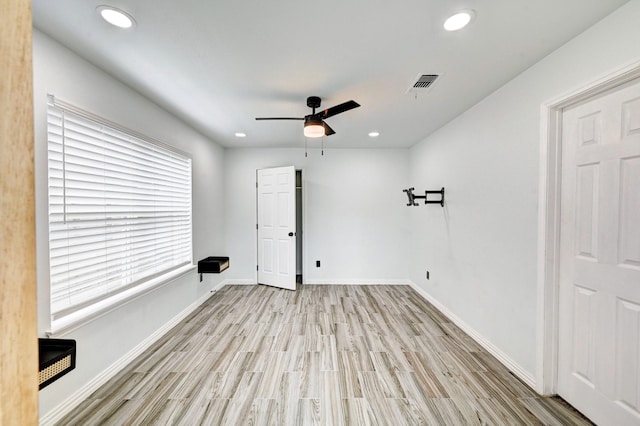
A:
291	234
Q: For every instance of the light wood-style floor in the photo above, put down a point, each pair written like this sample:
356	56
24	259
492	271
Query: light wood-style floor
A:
327	355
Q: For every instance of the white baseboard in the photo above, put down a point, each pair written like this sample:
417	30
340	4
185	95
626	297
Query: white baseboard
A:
348	281
65	407
513	366
234	281
326	281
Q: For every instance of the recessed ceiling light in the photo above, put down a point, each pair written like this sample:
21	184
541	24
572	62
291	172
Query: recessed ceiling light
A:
241	135
374	134
459	20
116	16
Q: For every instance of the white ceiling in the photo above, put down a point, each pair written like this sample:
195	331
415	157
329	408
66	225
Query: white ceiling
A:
219	64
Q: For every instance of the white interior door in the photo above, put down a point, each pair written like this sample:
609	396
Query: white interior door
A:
599	323
277	227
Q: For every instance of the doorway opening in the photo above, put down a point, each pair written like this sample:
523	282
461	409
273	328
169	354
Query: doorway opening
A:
299	226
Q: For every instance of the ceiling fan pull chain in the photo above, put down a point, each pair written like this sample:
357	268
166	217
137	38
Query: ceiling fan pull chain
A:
322	150
305	147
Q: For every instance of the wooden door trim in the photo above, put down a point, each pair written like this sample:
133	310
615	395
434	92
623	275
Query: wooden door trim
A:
549	181
18	316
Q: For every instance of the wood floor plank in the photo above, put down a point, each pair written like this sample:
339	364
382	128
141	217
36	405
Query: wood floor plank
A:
348	380
356	411
288	396
308	411
386	375
455	414
430	384
331	408
127	410
243	397
323	354
553	414
310	384
263	412
192	412
170	412
273	375
216	411
373	392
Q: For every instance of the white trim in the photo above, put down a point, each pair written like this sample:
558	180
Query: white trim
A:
233	281
549	218
505	359
327	281
84	316
352	281
305	254
548	246
71	402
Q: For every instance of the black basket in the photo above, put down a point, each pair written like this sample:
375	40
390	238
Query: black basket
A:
57	357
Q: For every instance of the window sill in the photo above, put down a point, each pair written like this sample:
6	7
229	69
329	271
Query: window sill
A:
84	316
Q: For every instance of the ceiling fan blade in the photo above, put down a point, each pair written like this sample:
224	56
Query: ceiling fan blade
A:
334	110
328	131
279	118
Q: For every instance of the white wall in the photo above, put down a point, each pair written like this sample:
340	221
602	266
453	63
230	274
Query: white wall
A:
355	218
481	249
103	341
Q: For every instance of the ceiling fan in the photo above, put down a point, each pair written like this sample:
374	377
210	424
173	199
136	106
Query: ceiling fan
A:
314	125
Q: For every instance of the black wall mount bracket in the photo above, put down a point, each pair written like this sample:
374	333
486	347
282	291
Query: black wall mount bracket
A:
425	197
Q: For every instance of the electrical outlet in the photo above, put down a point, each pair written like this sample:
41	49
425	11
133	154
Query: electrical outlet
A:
427	274
317	263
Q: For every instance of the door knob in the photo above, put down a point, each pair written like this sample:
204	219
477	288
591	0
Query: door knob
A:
291	234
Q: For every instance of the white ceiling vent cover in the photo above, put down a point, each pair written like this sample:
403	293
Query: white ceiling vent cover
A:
422	83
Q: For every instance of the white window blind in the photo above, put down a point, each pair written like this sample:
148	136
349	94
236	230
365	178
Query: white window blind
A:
119	209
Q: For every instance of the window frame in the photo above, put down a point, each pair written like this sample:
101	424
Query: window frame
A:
62	320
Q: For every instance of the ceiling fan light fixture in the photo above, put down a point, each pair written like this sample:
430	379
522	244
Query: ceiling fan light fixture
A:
459	20
313	128
116	17
314	124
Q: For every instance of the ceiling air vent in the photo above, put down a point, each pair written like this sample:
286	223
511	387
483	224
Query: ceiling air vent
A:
422	83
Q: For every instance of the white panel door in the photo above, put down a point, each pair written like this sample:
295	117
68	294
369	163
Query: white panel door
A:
599	347
277	227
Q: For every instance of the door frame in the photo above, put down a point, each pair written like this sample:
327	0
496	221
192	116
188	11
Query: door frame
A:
305	210
302	224
549	200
